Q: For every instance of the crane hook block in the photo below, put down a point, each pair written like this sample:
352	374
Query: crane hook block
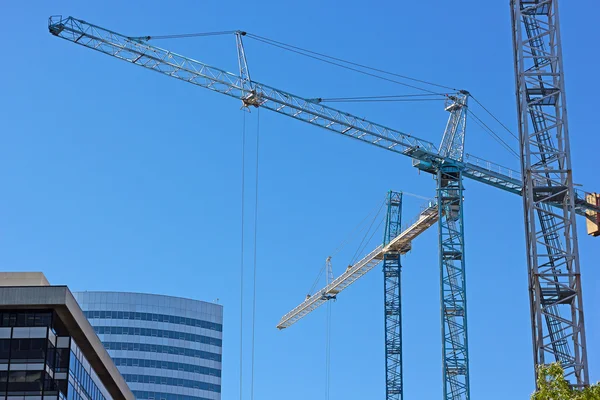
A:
253	99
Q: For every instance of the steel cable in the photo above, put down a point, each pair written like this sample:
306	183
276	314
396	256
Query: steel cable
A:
242	252
254	261
300	49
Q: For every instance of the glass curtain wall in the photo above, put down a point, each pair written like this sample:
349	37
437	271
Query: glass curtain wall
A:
166	348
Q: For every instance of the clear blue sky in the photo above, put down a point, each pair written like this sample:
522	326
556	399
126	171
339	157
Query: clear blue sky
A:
116	178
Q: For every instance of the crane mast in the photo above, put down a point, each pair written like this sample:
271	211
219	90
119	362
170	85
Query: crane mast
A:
452	288
392	288
453	294
556	303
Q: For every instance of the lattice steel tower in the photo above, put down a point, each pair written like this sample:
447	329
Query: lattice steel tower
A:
453	293
551	234
393	300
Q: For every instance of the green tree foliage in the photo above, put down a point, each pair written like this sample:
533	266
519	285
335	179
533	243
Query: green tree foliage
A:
553	386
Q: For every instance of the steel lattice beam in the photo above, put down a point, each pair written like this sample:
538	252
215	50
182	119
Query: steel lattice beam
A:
392	300
453	291
556	303
451	250
136	51
401	243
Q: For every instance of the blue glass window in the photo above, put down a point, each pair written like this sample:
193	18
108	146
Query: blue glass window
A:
154	317
125	330
164	380
157	348
86	384
162	364
146	395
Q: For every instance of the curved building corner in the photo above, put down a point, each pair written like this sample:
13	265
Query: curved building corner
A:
166	348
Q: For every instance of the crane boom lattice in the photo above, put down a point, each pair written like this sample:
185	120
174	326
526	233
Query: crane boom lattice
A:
136	51
401	243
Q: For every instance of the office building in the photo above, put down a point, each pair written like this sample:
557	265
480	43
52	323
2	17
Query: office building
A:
48	349
167	348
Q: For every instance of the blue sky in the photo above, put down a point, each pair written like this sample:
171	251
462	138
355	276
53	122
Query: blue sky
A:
115	178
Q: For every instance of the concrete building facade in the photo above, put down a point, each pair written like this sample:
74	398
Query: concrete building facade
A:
48	349
166	348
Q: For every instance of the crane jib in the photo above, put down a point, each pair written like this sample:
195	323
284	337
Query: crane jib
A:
401	243
424	154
